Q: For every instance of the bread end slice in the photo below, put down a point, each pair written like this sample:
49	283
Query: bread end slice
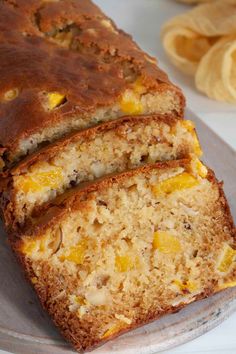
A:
125	250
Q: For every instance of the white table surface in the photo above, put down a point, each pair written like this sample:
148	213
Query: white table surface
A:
143	19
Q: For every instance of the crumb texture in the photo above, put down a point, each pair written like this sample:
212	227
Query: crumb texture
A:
142	247
97	153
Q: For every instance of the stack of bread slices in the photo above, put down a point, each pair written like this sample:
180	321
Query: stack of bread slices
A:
111	214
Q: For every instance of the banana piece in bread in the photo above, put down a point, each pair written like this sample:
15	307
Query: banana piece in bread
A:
127	249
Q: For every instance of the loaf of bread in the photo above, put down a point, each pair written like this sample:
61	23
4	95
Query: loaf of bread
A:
107	148
111	214
122	251
66	66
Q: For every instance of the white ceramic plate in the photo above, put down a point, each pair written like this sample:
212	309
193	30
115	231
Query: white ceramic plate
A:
25	328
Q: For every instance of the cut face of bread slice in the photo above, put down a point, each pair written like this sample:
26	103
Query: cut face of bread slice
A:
128	249
69	69
92	153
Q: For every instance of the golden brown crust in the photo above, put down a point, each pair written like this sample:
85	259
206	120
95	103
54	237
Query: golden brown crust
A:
90	77
69	324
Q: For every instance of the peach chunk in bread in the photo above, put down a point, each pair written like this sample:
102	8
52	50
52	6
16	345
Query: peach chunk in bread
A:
127	249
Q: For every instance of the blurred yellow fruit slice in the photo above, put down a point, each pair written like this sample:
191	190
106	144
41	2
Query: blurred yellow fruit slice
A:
226	259
36	181
177	183
55	99
166	243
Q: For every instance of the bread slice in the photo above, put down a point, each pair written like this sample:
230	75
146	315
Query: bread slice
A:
127	249
107	148
66	66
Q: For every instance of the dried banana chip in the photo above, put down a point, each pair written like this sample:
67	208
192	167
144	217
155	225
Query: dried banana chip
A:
201	42
216	74
185	48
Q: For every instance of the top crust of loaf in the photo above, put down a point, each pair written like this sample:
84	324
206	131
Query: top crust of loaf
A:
32	64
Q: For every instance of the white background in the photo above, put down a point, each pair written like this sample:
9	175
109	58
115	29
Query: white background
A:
143	19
